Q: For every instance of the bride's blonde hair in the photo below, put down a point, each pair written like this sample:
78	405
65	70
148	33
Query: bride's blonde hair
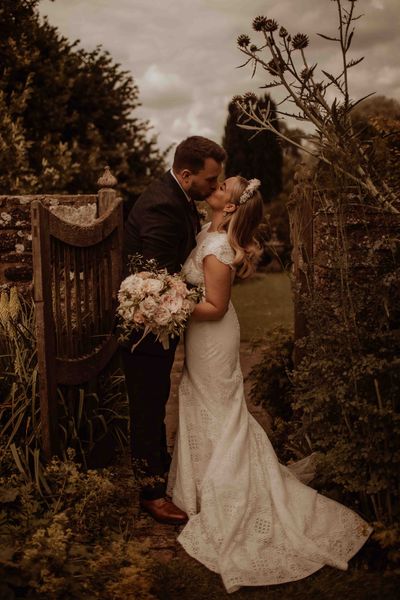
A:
241	226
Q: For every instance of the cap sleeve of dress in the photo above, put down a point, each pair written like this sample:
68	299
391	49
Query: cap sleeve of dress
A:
217	244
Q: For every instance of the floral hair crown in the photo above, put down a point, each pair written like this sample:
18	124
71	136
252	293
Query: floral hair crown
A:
249	191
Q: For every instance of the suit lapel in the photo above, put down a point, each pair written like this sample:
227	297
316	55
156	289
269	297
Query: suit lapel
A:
189	207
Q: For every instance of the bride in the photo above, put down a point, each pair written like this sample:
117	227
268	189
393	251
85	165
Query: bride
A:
251	519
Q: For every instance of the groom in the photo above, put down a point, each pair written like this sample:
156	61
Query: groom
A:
163	224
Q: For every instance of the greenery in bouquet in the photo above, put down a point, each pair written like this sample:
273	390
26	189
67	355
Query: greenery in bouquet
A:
151	300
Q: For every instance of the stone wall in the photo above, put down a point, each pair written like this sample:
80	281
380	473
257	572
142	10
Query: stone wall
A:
15	230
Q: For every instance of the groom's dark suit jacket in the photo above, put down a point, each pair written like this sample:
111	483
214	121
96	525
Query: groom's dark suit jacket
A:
162	224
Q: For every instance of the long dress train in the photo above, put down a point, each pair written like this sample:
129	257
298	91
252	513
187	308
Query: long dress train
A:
250	518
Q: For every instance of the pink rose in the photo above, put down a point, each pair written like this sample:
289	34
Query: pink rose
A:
180	288
171	301
148	306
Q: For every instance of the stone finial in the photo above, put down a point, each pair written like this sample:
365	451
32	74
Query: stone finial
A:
107	180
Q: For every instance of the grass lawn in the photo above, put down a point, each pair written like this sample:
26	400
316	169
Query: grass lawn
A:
263	302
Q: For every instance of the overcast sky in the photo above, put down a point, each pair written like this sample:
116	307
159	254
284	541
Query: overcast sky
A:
184	58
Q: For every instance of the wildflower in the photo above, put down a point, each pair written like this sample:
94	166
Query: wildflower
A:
259	23
19	248
271	25
243	40
253	48
6	217
282	32
300	41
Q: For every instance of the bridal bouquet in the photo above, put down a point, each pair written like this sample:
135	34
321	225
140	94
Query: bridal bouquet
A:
153	301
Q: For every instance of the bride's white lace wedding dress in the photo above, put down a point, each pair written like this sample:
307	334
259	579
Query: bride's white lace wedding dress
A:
250	518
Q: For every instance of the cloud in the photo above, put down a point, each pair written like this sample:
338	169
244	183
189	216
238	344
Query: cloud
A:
185	60
163	90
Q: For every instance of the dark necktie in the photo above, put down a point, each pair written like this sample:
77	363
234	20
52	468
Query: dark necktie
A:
194	215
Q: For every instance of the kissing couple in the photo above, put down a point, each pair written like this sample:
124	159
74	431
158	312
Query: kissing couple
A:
245	515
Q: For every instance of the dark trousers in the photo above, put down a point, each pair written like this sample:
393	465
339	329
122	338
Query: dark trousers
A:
147	375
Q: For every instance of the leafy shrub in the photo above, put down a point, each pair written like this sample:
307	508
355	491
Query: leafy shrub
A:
75	542
272	388
345	211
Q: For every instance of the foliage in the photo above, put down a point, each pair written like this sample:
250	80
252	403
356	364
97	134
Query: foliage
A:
66	112
272	388
346	382
347	385
271	384
74	542
335	142
252	156
276	210
87	415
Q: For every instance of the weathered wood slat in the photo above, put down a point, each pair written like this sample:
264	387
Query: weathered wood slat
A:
79	370
68	299
301	217
44	329
86	298
55	281
78	301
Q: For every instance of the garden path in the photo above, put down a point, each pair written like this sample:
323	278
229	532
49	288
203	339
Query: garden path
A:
162	538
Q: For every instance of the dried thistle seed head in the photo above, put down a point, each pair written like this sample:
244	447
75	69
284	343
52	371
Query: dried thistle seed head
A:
283	32
271	68
300	41
271	25
276	67
237	99
250	97
243	40
306	74
259	23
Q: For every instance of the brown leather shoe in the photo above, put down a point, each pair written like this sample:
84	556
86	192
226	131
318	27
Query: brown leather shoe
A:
164	511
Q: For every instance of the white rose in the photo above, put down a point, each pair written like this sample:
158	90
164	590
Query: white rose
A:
152	286
162	316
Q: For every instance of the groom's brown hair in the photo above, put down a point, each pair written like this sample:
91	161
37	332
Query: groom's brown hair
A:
192	152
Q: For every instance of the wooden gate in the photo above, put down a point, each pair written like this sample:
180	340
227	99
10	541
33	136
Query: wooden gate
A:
77	271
